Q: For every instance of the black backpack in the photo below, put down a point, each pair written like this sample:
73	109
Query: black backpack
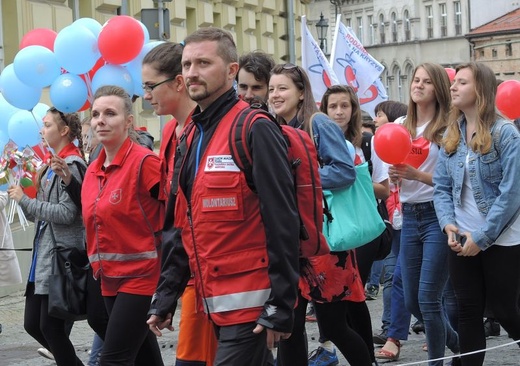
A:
385	239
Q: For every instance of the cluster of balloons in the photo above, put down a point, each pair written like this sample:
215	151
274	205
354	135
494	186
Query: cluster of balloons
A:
392	143
73	63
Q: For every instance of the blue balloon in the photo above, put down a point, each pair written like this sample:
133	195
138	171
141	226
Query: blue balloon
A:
68	93
36	66
134	67
145	31
76	49
4	139
6	111
113	75
17	93
91	24
40	110
24	129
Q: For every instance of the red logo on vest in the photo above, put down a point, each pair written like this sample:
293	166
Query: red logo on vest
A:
116	196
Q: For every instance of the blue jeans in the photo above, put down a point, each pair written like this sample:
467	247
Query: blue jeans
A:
424	261
95	352
399	316
388	269
375	274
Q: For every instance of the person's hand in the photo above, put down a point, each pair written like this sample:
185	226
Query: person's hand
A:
470	248
405	171
156	324
452	231
60	167
272	335
15	193
393	174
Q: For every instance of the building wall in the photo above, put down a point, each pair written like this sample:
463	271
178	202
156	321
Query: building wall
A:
501	53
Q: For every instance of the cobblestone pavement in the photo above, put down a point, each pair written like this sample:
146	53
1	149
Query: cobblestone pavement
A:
18	348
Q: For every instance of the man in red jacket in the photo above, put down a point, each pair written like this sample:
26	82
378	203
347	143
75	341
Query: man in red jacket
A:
241	246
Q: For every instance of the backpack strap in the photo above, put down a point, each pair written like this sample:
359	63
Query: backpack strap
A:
239	140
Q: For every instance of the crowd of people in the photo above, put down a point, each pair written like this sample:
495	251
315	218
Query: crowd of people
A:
187	224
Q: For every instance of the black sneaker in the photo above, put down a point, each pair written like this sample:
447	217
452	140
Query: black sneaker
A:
418	327
371	292
381	337
491	328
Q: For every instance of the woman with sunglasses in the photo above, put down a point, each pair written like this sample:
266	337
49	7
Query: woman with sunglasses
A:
165	89
54	214
290	97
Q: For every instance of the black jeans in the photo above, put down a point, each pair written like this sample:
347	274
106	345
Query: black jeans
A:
52	333
491	277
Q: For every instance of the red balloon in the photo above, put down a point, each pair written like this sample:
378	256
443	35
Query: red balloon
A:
392	143
39	37
121	39
508	98
451	73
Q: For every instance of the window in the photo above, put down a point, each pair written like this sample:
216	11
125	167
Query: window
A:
443	20
429	21
394	27
494	53
407	35
348	22
372	29
382	28
509	48
482	53
360	29
458	18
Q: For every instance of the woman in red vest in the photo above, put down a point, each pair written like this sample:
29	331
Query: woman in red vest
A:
123	218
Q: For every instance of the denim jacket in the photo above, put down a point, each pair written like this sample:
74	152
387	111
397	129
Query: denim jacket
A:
494	178
338	167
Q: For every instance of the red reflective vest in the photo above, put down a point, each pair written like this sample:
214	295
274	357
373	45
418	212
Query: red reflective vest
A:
224	235
122	220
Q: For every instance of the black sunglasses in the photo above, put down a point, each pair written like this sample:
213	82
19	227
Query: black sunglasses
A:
293	67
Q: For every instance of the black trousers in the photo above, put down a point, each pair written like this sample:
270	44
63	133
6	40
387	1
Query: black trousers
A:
52	333
491	277
128	340
239	346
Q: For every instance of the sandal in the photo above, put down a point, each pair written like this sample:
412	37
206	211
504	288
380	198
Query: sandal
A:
425	347
390	351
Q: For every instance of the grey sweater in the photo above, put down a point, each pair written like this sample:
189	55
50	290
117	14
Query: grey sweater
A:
54	206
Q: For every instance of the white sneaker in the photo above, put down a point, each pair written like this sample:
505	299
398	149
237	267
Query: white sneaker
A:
44	352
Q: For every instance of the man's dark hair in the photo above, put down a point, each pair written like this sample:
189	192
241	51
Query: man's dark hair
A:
257	63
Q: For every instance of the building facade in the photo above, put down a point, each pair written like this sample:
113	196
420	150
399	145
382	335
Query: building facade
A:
402	34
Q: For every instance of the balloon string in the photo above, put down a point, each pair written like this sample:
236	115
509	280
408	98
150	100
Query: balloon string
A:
90	96
42	147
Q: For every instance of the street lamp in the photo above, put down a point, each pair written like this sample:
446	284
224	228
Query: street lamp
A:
321	27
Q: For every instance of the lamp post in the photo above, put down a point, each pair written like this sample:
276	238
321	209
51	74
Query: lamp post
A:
321	27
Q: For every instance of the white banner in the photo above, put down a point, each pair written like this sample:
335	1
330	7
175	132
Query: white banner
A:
352	64
314	62
374	95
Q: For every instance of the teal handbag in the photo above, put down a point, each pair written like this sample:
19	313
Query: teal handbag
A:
355	220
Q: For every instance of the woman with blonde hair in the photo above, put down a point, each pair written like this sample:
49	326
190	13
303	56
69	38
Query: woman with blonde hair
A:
478	206
424	254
